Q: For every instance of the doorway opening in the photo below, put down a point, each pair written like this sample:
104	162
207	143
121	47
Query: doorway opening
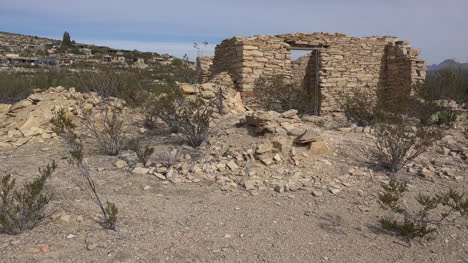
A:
305	66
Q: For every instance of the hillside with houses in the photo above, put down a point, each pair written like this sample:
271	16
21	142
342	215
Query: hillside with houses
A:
22	51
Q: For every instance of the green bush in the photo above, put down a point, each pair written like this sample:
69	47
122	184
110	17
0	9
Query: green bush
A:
23	210
412	224
14	87
450	83
126	85
359	106
189	116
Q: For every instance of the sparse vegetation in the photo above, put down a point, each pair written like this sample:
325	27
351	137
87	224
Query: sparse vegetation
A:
22	210
143	154
170	157
359	106
108	128
107	82
278	93
189	116
424	221
64	127
218	100
398	144
13	87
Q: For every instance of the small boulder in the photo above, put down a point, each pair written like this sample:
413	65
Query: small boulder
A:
318	148
121	164
309	136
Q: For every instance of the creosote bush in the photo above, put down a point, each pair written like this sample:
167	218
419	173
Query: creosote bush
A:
143	154
189	116
23	210
65	128
426	220
398	144
108	82
14	87
359	106
148	111
278	93
108	129
170	157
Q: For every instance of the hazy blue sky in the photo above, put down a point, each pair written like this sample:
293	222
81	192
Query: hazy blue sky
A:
438	27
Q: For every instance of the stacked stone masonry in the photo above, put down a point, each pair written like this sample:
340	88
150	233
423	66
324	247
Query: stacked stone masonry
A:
344	62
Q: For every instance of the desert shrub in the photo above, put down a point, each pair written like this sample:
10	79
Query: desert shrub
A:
412	224
23	210
51	78
106	82
14	87
108	129
170	157
65	128
445	117
450	83
189	116
359	106
398	144
143	154
280	94
149	110
218	100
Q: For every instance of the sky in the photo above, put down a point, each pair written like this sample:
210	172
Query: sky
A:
438	28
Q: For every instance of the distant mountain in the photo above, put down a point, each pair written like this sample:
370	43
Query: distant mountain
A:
445	64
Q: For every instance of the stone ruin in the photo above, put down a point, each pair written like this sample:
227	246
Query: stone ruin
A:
337	63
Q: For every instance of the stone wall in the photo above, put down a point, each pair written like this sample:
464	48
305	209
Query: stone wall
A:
203	68
248	58
344	63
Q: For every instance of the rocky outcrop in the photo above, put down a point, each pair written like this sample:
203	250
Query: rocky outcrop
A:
29	120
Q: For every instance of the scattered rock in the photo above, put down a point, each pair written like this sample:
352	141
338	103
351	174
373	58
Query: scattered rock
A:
309	136
232	165
318	148
121	164
317	193
140	170
264	148
38	249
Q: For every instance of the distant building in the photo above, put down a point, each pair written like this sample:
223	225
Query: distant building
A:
86	51
118	60
107	59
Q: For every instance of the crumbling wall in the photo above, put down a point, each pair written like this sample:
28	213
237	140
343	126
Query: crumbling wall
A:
403	66
344	62
203	68
248	58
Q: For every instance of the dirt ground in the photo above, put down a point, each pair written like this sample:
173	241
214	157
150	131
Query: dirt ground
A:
160	221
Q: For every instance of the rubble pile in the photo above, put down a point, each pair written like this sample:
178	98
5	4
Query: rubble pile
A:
29	120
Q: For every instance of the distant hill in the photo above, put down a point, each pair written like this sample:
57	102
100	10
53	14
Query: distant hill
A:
445	64
19	43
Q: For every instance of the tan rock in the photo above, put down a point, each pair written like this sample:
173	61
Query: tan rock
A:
4	108
318	148
264	148
309	136
121	164
187	88
281	143
20	105
140	170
